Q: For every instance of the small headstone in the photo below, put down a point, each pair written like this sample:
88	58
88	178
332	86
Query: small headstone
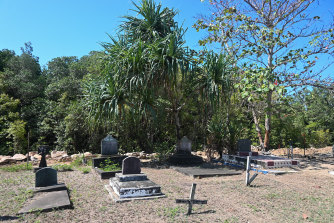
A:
131	165
185	145
109	146
46	177
244	145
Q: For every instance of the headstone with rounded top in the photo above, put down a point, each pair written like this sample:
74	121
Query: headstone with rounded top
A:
45	177
109	146
184	145
131	165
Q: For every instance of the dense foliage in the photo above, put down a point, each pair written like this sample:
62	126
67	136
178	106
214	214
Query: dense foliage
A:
148	89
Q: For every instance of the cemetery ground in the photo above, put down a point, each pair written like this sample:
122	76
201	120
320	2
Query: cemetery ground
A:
304	196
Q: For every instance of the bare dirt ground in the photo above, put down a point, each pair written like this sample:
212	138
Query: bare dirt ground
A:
305	196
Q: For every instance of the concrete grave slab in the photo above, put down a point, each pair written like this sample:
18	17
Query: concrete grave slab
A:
198	172
44	201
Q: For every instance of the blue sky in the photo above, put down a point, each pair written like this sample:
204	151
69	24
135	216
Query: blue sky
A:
75	27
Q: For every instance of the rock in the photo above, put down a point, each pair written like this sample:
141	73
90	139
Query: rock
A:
199	153
128	154
75	156
32	153
135	154
37	157
142	155
88	155
65	158
19	157
6	160
57	154
48	156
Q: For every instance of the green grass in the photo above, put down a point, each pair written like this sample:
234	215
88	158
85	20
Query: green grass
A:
63	167
84	169
17	167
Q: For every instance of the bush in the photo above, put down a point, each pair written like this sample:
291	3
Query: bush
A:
109	165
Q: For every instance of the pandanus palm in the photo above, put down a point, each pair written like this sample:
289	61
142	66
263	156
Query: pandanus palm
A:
147	56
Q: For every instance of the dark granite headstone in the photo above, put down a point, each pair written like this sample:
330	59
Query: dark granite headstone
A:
43	150
244	145
109	146
46	177
131	165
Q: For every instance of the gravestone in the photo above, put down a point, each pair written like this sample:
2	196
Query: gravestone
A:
109	146
184	145
333	151
132	184
46	176
43	150
244	145
131	165
183	155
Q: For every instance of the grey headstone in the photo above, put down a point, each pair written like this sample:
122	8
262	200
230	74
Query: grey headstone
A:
244	145
131	165
185	144
46	177
109	146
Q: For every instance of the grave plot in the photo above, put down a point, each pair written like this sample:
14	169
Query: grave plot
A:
131	184
183	155
265	161
205	171
48	194
109	162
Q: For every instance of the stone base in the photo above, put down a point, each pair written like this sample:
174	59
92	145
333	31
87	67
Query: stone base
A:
197	172
134	185
117	199
106	174
185	159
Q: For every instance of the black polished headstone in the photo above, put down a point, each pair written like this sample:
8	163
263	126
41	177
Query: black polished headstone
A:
43	150
46	177
244	145
131	165
109	146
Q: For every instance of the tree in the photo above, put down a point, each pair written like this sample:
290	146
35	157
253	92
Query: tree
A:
145	67
277	45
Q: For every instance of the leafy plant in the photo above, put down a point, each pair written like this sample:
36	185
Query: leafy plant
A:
109	165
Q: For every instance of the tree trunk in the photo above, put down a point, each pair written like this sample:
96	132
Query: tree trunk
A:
257	126
177	124
268	121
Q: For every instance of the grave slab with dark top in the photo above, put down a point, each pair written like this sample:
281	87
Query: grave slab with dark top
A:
208	171
109	151
48	194
183	155
131	184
